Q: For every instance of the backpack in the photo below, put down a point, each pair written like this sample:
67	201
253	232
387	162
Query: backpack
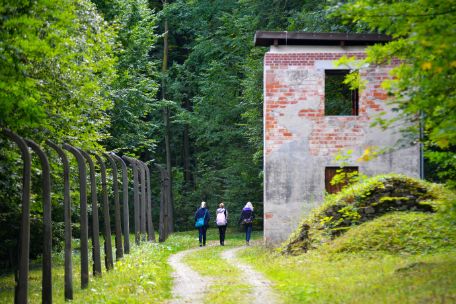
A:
221	219
247	220
200	221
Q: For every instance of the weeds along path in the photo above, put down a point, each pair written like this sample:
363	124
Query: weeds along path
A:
262	292
189	286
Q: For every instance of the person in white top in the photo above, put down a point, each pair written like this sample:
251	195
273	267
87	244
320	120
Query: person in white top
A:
221	219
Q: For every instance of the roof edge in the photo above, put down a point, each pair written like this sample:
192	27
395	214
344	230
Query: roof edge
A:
265	38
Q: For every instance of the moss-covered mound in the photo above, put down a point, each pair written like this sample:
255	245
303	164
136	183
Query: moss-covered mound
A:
361	203
405	232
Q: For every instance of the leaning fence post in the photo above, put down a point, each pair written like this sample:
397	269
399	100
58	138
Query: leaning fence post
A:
163	221
106	219
118	227
21	289
150	227
150	222
126	220
46	290
132	162
95	221
83	214
67	220
143	199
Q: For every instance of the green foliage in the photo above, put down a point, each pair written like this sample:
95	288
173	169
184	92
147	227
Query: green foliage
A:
56	66
343	177
216	80
133	91
423	81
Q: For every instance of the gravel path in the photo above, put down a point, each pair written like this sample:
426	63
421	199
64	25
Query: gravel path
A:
262	292
189	286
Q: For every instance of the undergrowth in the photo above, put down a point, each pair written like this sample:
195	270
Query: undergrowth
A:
143	276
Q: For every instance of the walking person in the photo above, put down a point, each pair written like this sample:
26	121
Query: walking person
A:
247	217
202	222
221	219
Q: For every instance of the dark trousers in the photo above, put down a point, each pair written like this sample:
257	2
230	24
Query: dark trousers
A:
202	234
222	230
248	231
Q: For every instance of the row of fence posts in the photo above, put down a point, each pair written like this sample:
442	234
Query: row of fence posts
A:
143	225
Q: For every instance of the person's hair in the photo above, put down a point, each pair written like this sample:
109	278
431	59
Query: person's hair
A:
222	205
249	205
203	204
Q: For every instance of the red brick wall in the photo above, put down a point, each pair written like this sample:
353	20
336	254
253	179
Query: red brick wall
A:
330	133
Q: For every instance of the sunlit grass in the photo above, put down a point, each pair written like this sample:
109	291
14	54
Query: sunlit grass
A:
358	278
143	276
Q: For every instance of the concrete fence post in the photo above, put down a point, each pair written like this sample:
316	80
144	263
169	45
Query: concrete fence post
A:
96	255
83	214
68	272
46	287
21	276
117	220
126	213
106	218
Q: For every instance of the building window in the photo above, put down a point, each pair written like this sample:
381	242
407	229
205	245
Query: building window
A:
330	172
339	98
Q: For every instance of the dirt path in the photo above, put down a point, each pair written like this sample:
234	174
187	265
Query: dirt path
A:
262	292
189	286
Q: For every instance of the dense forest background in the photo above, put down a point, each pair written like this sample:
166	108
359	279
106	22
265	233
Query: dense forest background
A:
176	82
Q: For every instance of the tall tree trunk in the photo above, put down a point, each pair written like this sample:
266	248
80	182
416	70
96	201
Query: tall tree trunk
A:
186	152
167	126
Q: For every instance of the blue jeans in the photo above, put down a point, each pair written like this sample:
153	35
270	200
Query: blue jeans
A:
202	234
248	231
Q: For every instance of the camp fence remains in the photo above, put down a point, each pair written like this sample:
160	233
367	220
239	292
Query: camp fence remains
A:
143	226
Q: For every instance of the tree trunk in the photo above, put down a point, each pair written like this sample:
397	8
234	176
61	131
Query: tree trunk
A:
186	152
166	110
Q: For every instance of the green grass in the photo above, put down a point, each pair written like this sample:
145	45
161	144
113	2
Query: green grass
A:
143	276
228	286
318	277
399	232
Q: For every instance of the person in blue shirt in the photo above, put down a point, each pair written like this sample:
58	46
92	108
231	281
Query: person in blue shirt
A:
202	212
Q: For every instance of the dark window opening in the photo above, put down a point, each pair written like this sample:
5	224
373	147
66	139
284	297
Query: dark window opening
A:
330	172
339	98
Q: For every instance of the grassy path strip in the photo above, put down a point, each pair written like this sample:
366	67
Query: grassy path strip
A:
358	278
189	286
228	286
262	292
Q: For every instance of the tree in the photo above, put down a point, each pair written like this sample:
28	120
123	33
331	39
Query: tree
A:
56	66
423	82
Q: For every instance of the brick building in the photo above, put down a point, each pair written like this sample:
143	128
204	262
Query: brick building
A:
309	115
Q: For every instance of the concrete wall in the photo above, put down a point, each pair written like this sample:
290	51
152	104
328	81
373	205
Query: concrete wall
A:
299	141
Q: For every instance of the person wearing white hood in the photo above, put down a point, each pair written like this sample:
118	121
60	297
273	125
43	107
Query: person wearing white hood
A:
221	219
247	217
